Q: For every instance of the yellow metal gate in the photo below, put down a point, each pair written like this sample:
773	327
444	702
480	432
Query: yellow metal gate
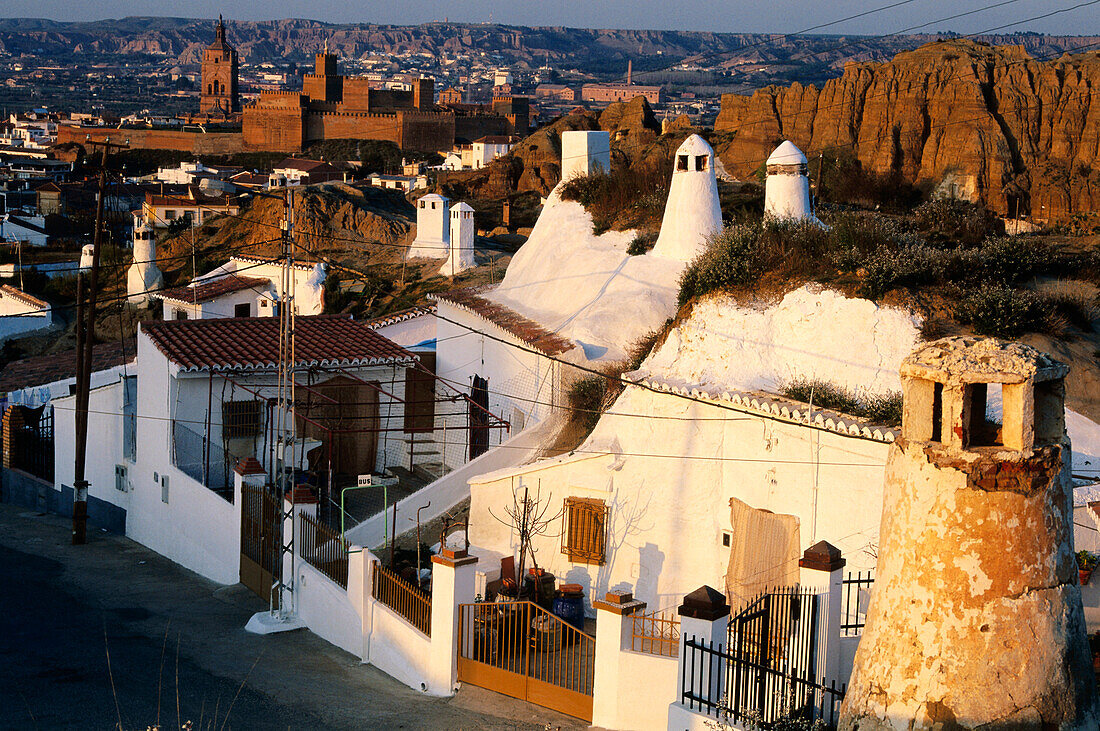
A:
261	539
521	650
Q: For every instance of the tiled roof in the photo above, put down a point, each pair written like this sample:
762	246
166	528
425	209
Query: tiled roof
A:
6	290
299	264
211	290
509	320
396	317
253	343
776	407
43	369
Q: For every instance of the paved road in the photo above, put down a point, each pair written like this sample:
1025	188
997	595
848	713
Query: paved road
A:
169	632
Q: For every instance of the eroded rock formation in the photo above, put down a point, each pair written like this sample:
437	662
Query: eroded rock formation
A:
987	124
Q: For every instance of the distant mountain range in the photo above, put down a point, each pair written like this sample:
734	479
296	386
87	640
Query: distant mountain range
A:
181	40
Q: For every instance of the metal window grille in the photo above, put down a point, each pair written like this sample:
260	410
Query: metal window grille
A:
240	419
585	533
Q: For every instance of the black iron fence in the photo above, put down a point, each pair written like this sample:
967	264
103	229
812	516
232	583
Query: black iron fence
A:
32	442
855	599
730	688
767	670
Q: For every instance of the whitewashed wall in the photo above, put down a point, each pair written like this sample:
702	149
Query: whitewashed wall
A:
105	445
521	384
667	514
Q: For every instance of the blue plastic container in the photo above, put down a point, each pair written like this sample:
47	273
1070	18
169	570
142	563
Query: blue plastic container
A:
569	606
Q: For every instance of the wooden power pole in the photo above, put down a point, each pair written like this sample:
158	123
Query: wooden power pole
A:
85	336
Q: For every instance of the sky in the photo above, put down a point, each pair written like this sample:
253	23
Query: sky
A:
774	16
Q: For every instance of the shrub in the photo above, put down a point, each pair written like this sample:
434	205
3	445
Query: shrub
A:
878	408
1005	312
1077	302
731	258
954	220
641	244
1013	259
586	399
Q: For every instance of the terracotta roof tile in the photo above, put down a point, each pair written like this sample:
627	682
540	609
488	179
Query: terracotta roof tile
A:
43	369
211	290
6	290
396	317
253	343
508	319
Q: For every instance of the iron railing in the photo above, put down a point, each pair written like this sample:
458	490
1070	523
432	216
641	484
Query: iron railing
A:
856	597
404	598
323	549
656	632
766	671
721	683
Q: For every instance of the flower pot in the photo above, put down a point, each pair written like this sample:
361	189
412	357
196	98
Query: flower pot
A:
1084	575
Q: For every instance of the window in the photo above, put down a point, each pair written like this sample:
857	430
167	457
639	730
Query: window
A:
169	214
700	162
240	419
244	309
120	477
585	533
164	489
681	162
179	315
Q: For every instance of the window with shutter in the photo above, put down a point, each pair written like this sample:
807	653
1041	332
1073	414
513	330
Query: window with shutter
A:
585	534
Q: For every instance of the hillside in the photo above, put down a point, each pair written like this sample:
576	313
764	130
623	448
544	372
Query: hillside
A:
990	123
181	40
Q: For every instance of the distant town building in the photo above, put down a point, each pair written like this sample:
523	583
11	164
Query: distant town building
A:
489	148
300	171
620	92
404	183
451	95
195	206
219	93
556	92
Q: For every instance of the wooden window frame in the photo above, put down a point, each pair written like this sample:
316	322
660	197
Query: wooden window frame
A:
584	538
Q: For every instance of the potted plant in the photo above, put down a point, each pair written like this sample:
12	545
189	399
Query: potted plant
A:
1086	562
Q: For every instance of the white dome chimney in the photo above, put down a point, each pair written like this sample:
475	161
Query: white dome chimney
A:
432	228
143	275
462	241
692	213
787	189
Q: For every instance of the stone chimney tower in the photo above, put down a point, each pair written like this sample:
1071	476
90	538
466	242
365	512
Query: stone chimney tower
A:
692	212
976	617
585	153
462	241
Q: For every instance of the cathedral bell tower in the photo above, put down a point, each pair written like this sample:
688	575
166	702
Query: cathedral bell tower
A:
219	93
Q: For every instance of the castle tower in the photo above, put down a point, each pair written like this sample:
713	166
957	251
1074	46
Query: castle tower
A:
143	275
462	241
692	212
219	93
325	84
976	616
584	153
787	189
432	228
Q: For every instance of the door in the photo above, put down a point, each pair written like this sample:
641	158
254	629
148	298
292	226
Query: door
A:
479	417
261	541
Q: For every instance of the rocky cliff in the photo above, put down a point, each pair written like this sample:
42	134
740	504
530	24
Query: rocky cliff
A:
988	124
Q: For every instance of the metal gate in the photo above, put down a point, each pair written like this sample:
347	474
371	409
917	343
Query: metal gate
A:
773	651
521	650
261	541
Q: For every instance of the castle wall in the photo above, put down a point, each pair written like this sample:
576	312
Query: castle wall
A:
211	143
330	125
426	131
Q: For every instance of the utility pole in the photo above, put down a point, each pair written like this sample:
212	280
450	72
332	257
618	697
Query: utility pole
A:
85	335
286	396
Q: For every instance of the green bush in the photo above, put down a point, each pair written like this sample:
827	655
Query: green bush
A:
1013	259
877	408
641	244
954	220
1005	312
586	399
732	258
